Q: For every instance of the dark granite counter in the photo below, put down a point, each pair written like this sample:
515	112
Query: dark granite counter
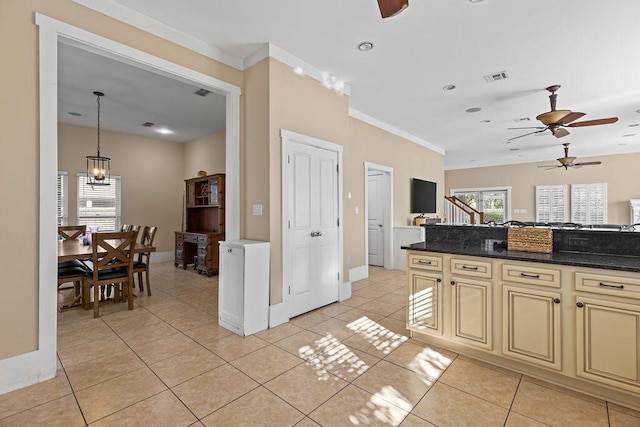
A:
612	250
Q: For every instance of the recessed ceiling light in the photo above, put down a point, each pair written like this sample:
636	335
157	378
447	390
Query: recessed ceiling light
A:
365	46
448	87
164	131
628	135
147	124
522	119
476	1
507	142
73	113
485	121
202	92
299	71
514	149
632	125
622	144
473	109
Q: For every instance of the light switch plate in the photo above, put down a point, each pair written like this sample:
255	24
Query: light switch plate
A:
257	210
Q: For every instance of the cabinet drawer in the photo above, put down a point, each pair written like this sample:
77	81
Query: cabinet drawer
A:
179	238
425	262
179	254
531	275
190	238
471	268
609	285
202	257
203	240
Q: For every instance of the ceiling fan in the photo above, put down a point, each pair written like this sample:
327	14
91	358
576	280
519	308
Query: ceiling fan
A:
558	120
389	8
568	162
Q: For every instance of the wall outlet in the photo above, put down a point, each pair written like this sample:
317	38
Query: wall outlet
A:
257	210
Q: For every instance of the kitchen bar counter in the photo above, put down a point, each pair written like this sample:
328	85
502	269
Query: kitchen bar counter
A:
492	249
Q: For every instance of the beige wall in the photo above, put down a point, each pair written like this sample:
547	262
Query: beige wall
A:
303	105
206	153
620	172
408	160
19	110
151	171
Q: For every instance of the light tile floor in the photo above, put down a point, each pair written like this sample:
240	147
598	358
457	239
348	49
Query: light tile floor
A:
168	363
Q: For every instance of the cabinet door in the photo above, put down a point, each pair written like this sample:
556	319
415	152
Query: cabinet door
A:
609	342
472	311
191	194
531	326
231	288
213	191
425	299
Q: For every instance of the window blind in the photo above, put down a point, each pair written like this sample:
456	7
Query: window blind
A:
551	203
63	198
99	205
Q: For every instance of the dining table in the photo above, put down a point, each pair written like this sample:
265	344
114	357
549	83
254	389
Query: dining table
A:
74	249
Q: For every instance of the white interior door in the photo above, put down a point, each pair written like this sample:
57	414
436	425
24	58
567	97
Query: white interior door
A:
312	177
376	220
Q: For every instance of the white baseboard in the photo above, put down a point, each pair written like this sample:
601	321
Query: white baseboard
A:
358	273
162	256
277	315
345	291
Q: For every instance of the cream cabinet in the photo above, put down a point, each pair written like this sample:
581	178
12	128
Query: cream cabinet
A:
608	345
531	326
472	311
424	311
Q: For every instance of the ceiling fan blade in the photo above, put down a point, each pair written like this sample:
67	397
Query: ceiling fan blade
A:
550	166
530	127
594	122
559	133
570	117
390	8
530	133
587	163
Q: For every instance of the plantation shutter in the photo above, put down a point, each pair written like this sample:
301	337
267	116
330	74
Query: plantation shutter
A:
589	203
551	203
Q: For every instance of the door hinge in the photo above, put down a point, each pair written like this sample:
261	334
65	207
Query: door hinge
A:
337	168
338	222
288	158
289	290
289	222
338	276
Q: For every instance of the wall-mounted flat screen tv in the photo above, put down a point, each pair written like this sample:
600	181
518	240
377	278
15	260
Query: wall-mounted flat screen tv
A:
423	196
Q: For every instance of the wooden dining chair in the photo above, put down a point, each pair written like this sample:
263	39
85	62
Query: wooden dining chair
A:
68	232
112	259
125	227
142	265
72	274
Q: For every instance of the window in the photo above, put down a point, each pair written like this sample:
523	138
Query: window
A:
589	203
63	198
493	202
551	203
99	205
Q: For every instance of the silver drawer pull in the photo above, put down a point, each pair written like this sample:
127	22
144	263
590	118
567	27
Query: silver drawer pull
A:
530	276
604	285
424	262
468	267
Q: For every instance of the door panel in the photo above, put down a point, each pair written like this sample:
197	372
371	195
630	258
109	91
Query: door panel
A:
313	184
375	212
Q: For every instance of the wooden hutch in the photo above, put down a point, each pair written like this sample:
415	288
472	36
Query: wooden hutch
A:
204	225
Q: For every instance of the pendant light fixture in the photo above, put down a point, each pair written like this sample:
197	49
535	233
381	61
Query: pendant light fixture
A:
98	167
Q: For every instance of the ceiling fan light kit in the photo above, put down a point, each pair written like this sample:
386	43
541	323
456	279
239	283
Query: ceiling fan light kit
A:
389	8
568	162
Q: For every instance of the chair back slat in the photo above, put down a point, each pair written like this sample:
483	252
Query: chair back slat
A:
106	255
70	232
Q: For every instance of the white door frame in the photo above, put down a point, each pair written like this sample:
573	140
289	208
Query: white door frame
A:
388	228
40	365
279	312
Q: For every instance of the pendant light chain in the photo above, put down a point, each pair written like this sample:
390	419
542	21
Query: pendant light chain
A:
98	101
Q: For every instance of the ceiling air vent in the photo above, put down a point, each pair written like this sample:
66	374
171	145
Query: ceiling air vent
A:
147	124
202	92
500	75
522	119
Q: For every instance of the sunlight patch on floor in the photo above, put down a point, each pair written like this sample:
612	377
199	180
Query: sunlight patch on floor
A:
329	354
380	410
380	337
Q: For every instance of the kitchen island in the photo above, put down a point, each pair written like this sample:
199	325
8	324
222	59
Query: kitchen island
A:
570	317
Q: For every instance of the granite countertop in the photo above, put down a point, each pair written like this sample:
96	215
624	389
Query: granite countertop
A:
497	249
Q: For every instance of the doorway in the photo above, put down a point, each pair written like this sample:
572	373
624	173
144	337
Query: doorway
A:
378	212
493	202
40	364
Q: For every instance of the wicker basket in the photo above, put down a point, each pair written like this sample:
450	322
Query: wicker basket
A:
530	239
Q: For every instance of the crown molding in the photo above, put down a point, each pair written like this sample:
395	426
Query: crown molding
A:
393	130
136	19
